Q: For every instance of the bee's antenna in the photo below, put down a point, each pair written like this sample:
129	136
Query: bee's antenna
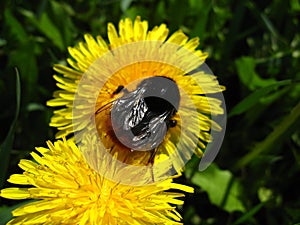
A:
151	161
117	91
103	107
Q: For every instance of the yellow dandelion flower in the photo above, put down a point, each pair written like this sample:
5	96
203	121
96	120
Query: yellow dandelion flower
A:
68	191
150	98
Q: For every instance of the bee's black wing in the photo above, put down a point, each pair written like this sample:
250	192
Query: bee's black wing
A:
150	132
129	110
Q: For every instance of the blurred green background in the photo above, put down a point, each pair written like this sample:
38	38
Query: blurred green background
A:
254	49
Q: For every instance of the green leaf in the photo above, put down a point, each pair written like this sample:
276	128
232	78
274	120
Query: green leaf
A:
5	214
202	9
172	8
61	18
134	11
191	167
50	30
47	27
295	5
269	25
249	215
264	194
284	129
25	60
5	211
256	97
266	22
16	28
124	4
33	106
246	70
222	189
3	42
7	144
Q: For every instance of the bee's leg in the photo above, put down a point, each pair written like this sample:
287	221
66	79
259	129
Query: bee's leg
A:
152	173
151	161
152	156
119	89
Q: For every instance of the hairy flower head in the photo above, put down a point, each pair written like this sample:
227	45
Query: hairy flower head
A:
105	84
67	190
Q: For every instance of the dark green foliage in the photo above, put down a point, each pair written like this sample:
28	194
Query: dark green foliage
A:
254	51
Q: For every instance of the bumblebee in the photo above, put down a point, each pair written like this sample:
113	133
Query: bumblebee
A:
140	118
